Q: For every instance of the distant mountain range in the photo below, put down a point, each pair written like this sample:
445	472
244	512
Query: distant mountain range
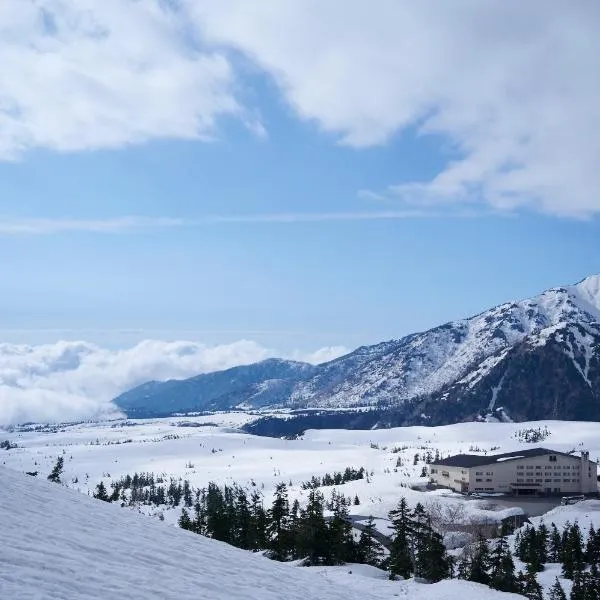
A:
536	358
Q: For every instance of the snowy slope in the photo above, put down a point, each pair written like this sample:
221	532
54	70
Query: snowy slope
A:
60	545
424	363
461	361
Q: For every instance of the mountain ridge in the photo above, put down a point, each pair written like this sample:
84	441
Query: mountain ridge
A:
458	361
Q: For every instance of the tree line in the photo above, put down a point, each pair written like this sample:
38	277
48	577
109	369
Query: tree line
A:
337	478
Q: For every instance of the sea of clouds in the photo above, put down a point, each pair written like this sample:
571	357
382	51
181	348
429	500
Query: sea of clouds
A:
78	380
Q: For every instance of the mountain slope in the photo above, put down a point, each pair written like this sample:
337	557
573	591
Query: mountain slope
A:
59	544
424	363
255	385
539	348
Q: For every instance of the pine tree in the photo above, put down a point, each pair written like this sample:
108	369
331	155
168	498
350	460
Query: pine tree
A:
464	566
542	540
57	470
531	587
573	552
369	550
278	527
184	520
433	563
313	538
592	547
578	589
400	563
554	545
341	541
556	591
480	562
101	493
502	573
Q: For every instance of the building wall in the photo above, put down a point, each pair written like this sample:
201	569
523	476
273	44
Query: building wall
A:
456	478
554	474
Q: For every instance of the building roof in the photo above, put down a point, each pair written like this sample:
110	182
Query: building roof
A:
476	460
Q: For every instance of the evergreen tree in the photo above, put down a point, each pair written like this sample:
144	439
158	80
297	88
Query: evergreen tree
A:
592	547
480	562
369	550
101	493
279	524
554	545
573	551
400	563
184	520
530	586
259	522
57	470
433	563
556	591
464	566
312	537
341	541
542	542
578	589
243	536
502	573
592	585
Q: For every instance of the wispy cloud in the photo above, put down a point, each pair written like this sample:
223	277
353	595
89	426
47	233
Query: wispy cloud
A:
131	224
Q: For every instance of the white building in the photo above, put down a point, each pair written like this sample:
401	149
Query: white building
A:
532	471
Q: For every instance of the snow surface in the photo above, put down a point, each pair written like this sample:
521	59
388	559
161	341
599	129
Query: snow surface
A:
60	545
461	351
107	451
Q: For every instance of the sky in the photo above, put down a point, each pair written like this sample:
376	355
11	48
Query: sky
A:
302	176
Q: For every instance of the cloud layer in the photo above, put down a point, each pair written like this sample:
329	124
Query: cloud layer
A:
510	89
74	380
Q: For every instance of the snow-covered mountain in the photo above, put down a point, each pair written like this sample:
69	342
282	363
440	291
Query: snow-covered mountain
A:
260	384
537	358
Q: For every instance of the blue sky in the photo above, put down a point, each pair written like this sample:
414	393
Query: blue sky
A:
289	191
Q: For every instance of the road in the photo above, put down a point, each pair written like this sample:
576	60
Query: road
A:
533	507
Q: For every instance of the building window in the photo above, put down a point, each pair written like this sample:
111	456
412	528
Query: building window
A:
557	468
538	481
548	480
566	467
557	481
478	472
479	479
566	481
433	471
529	466
529	480
520	480
546	468
489	472
538	466
520	467
552	458
489	480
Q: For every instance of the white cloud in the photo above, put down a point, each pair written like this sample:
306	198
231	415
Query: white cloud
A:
11	226
84	74
73	380
322	355
512	87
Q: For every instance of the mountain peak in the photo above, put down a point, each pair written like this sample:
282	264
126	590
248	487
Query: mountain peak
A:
587	292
